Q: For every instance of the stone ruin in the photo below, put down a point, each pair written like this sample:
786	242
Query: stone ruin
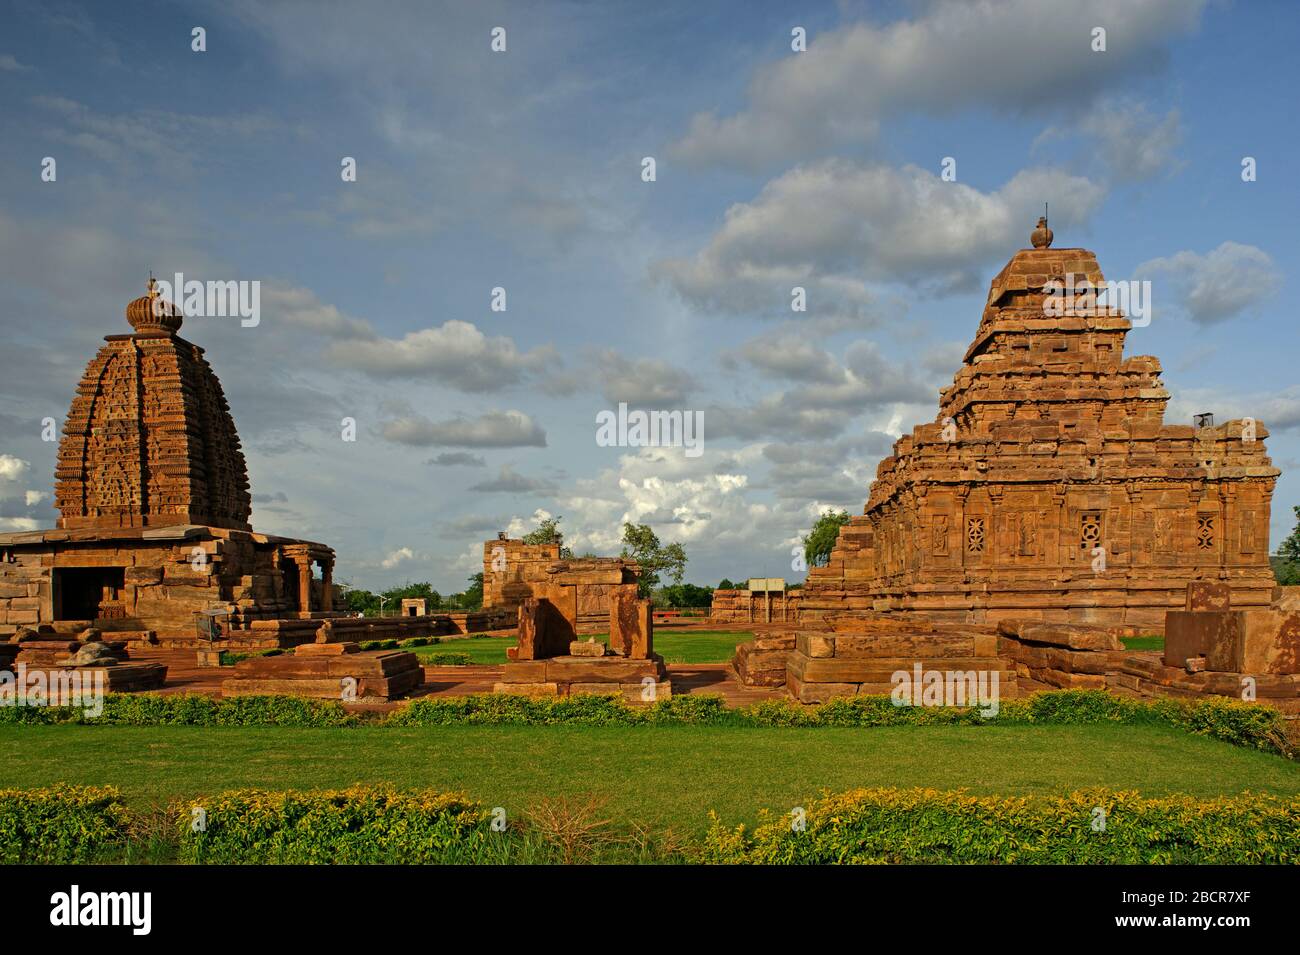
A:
88	653
1049	486
1210	649
761	600
514	571
330	668
550	659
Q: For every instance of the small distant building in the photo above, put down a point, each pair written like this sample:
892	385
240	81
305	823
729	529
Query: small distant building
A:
414	606
761	600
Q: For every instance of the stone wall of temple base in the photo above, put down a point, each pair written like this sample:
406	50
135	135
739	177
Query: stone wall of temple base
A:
1211	648
1139	604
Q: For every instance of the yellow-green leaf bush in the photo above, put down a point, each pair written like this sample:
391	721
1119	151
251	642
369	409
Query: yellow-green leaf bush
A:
349	826
926	826
61	825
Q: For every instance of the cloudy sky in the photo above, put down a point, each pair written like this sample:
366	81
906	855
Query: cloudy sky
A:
522	170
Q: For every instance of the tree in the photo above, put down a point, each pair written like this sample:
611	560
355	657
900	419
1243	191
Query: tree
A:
641	544
548	532
1286	565
360	601
725	584
820	541
472	598
684	595
393	596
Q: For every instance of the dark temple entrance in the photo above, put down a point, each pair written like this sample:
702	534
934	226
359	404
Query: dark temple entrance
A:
87	593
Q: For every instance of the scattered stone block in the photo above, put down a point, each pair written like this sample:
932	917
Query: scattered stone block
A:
1208	595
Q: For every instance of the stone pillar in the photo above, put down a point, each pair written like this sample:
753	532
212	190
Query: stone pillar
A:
631	626
304	583
327	585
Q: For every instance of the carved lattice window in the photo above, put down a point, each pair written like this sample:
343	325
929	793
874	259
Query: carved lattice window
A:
975	535
1205	531
1089	530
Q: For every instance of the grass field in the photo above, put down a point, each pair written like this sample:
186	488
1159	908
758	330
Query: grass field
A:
1143	643
665	777
701	646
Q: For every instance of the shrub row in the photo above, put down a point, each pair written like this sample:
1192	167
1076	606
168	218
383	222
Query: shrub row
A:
1242	724
1088	827
378	825
229	658
343	827
448	660
60	825
189	709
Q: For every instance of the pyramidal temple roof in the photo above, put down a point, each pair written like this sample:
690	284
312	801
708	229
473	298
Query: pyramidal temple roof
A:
149	440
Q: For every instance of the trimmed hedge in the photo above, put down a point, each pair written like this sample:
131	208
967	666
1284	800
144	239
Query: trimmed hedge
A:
377	825
61	825
1249	725
448	660
350	826
190	709
926	826
228	658
1242	724
69	824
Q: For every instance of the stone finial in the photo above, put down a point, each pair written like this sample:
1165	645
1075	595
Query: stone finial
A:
1041	237
151	313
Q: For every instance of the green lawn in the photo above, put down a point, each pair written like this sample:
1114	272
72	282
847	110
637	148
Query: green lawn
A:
701	646
665	777
1143	643
484	650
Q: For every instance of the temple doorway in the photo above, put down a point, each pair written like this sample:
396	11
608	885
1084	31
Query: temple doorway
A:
88	593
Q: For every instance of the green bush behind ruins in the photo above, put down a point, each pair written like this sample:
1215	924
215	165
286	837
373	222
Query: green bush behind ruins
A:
1241	724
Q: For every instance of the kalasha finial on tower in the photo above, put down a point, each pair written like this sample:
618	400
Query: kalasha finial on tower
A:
151	312
1041	237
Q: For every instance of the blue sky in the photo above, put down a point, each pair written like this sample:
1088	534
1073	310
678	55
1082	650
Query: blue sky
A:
522	170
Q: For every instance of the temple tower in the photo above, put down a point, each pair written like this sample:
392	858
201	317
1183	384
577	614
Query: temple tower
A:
149	440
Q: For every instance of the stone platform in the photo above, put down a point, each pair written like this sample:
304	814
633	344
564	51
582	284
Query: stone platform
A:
762	661
58	652
53	660
1063	656
330	671
635	680
860	656
550	660
119	678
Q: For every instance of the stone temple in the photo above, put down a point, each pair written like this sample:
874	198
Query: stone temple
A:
1049	486
152	491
